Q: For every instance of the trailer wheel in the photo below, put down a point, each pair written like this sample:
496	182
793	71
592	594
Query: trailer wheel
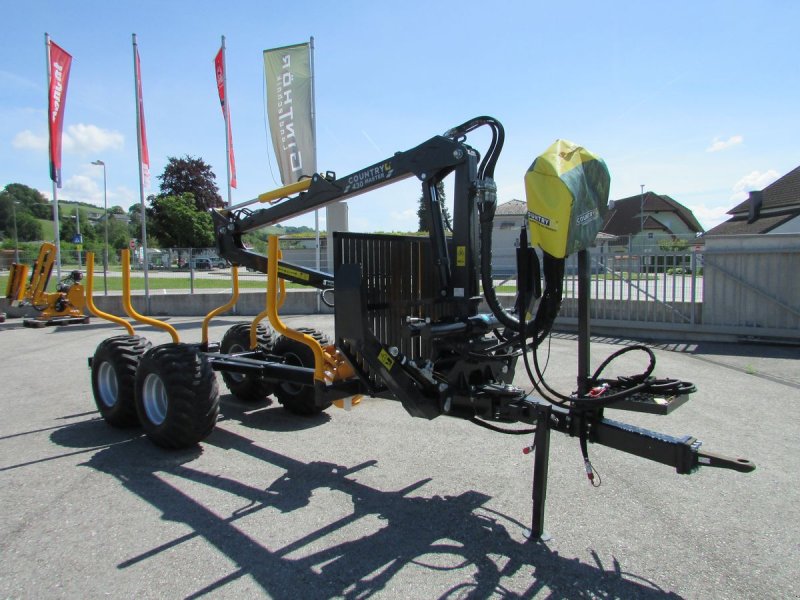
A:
177	398
246	387
114	378
298	399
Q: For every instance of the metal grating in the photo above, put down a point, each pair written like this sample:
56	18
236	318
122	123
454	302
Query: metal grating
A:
399	282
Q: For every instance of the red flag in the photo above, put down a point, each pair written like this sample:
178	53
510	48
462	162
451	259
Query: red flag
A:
219	67
145	156
58	68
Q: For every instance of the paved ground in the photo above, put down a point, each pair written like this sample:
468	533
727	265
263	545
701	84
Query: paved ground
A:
375	503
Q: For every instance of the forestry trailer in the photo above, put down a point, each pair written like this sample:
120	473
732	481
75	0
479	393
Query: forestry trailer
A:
408	325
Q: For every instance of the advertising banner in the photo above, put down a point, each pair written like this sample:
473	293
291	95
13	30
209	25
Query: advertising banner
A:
219	68
145	154
290	110
59	64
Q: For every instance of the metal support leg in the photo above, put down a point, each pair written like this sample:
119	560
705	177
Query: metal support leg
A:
540	464
584	316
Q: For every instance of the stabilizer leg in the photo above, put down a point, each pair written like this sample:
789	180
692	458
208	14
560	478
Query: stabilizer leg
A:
540	464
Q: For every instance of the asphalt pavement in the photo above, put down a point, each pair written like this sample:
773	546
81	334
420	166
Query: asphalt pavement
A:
375	503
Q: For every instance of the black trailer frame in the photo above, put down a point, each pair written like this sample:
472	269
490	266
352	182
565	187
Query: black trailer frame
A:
407	314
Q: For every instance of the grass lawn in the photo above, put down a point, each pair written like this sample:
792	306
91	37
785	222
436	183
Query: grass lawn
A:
179	283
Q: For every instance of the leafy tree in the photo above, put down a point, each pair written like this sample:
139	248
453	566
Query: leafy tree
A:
422	211
189	175
26	196
135	220
116	210
176	223
118	235
29	229
29	202
673	244
16	200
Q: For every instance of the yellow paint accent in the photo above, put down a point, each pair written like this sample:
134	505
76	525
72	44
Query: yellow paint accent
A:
288	271
275	320
41	273
90	301
283	192
227	306
15	287
461	256
349	402
264	314
126	300
386	360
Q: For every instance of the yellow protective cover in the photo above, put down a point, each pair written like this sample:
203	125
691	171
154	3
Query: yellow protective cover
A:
567	195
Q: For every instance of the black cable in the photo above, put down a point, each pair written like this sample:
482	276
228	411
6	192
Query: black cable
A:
625	350
497	429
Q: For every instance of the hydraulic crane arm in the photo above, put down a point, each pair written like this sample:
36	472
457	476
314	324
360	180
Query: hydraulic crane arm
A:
430	162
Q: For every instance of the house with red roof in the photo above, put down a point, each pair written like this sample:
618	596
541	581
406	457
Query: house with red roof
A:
775	209
645	218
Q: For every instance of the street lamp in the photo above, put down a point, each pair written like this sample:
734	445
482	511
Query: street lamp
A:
100	163
16	239
641	214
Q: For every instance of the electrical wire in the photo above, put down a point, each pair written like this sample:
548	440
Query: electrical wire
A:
497	429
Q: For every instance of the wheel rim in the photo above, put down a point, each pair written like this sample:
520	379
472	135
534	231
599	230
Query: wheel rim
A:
107	384
154	399
236	349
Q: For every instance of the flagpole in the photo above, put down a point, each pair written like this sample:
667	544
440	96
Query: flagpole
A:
227	114
56	231
141	176
314	133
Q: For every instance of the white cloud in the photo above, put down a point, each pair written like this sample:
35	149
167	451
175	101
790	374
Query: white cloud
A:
756	180
709	216
78	139
405	220
92	139
719	144
83	188
10	80
27	140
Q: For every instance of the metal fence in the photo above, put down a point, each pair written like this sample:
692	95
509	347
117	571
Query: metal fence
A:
662	287
739	285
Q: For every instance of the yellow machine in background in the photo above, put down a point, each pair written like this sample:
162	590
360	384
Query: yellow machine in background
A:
62	307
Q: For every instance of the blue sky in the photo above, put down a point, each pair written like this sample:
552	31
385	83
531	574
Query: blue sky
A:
696	100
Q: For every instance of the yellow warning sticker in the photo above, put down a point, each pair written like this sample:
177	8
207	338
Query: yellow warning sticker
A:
386	360
461	256
289	272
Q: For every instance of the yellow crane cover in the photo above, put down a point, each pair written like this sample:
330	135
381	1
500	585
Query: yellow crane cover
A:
567	195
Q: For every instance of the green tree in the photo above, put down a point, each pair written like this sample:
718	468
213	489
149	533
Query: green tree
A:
116	210
29	229
135	220
27	203
118	233
189	175
422	211
673	244
175	222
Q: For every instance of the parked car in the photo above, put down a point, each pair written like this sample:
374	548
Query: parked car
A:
201	264
219	263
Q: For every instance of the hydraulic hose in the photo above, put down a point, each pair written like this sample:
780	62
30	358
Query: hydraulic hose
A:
549	305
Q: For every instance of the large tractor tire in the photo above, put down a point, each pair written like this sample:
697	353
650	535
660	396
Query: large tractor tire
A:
114	378
177	398
298	399
246	387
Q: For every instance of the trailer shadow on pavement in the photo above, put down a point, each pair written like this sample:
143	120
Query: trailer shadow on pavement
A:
432	534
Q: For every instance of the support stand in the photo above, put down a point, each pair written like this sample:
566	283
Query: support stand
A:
541	462
544	411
